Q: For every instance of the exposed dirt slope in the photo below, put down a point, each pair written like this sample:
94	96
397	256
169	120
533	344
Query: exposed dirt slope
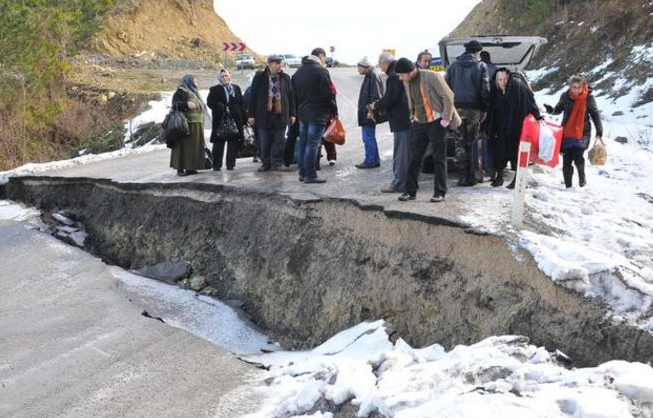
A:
306	269
582	34
181	29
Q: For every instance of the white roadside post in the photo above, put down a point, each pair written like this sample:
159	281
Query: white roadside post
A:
520	184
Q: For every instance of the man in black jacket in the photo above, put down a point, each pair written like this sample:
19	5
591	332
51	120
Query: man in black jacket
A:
395	103
271	108
315	102
468	78
370	92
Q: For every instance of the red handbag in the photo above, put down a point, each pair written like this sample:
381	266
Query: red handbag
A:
335	132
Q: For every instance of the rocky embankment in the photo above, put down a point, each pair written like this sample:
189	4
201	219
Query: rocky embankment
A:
306	269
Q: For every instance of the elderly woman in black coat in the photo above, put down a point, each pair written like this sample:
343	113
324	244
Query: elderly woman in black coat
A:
226	97
511	100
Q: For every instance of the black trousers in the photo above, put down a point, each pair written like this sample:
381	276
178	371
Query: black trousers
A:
574	154
424	134
218	153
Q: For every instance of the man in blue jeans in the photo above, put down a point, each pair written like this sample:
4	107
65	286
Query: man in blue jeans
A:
315	102
370	92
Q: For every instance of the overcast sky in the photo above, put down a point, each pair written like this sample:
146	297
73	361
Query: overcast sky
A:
356	28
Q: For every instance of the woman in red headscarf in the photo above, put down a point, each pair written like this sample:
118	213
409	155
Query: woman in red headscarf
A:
579	107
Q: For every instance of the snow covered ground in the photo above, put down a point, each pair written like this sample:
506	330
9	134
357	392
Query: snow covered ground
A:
498	377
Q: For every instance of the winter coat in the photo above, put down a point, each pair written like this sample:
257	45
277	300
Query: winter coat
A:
506	117
469	79
217	101
189	152
566	105
370	91
258	101
438	94
314	96
394	101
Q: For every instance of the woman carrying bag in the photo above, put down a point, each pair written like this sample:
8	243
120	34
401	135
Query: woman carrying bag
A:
228	108
579	107
188	153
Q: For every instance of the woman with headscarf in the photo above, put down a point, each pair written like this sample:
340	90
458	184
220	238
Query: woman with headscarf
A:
223	96
578	106
188	154
511	100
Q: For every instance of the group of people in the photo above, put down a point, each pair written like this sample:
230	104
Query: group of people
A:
473	97
275	101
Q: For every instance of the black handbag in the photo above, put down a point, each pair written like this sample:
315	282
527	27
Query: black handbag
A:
176	128
208	158
381	116
227	131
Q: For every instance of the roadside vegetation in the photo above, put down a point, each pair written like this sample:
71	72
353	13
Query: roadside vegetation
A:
38	119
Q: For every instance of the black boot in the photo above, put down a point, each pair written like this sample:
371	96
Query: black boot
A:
512	183
466	177
498	179
567	173
581	174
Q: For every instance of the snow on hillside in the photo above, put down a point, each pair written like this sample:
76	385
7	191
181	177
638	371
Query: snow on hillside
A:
498	377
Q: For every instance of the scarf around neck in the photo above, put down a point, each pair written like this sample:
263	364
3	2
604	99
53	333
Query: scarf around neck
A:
274	93
228	87
189	87
576	123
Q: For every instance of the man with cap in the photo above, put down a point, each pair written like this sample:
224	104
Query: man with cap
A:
432	111
370	92
395	103
316	101
271	108
469	79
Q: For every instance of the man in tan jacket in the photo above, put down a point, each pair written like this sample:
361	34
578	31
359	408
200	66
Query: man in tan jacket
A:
432	111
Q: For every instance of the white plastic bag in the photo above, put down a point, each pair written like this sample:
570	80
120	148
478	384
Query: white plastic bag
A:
546	143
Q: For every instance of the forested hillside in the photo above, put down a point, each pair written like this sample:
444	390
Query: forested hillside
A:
60	91
36	39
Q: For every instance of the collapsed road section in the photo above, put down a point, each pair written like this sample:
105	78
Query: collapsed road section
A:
305	269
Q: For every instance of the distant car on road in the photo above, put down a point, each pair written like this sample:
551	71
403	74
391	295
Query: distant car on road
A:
292	61
244	61
329	62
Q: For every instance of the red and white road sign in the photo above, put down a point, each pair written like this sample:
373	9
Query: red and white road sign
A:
233	46
332	49
520	184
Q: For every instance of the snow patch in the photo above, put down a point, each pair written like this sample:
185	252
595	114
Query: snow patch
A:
200	315
10	211
498	377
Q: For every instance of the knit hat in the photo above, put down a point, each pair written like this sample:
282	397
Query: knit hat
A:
404	65
473	46
364	62
275	58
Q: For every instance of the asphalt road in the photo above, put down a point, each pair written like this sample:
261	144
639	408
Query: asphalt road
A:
343	179
73	344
